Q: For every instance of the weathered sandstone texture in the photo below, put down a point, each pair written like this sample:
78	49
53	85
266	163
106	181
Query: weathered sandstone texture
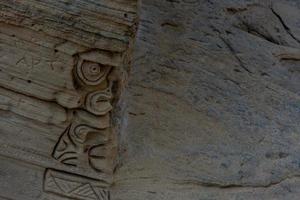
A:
63	69
211	110
214	102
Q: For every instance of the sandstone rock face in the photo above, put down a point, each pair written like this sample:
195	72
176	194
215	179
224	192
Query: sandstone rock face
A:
210	112
63	68
213	102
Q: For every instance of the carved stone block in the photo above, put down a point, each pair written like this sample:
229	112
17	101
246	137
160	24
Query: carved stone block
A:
74	186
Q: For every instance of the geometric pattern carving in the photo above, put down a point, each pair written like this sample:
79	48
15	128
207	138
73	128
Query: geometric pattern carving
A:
74	186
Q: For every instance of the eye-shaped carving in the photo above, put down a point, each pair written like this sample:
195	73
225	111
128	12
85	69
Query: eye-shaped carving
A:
91	73
98	102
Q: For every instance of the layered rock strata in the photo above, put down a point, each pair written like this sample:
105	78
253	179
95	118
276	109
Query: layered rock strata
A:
63	68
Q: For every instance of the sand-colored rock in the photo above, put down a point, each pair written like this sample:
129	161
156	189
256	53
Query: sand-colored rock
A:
63	69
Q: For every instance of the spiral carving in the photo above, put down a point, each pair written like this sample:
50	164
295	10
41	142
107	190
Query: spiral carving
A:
91	73
98	102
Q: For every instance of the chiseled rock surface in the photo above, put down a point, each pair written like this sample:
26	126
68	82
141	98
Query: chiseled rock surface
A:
213	102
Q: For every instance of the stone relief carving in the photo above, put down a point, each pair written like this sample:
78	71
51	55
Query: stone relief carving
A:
74	186
88	142
60	83
85	146
98	102
91	73
96	82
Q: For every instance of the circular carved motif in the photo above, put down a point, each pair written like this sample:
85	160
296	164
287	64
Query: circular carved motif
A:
91	73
